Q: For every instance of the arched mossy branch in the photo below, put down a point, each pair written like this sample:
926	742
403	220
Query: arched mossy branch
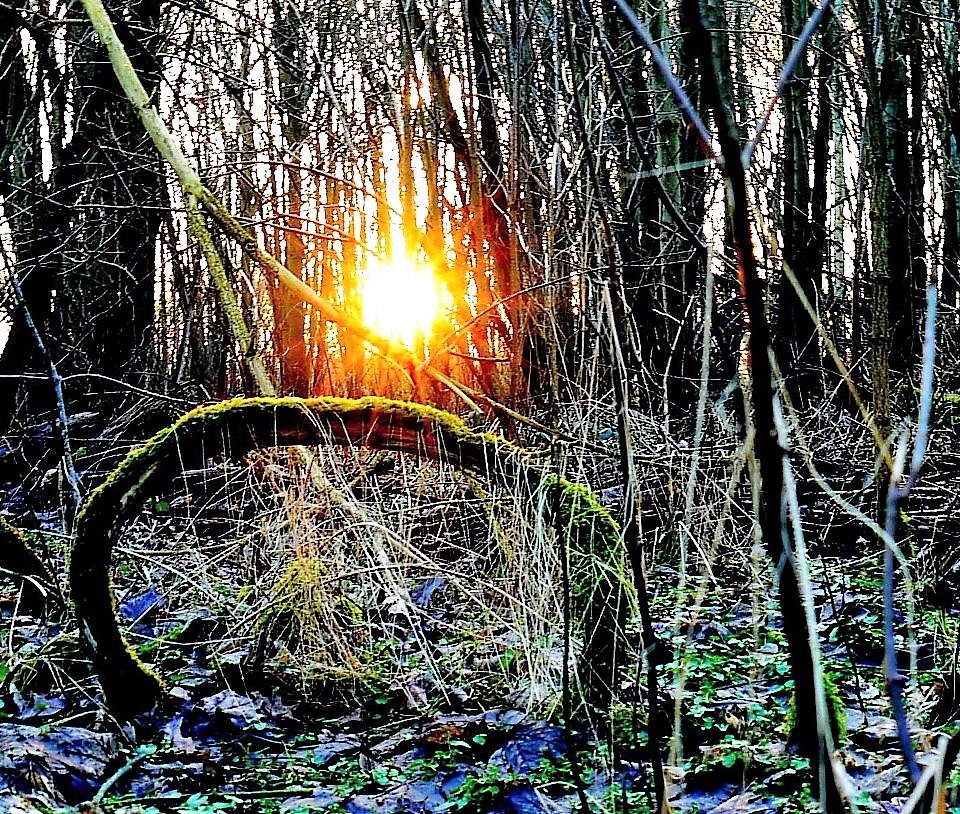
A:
18	559
601	591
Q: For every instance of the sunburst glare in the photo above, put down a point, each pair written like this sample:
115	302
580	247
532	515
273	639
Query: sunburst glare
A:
400	298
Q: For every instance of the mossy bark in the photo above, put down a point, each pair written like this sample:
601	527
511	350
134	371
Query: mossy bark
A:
602	594
18	559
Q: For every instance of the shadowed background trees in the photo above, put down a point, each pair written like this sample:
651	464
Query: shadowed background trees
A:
83	199
525	150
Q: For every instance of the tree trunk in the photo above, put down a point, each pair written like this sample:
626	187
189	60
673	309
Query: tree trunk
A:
110	184
35	219
296	375
802	244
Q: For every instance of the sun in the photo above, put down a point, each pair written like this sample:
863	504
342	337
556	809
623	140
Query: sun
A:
400	299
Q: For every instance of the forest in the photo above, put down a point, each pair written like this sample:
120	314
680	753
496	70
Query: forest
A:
496	406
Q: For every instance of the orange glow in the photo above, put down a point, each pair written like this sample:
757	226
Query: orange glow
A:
400	298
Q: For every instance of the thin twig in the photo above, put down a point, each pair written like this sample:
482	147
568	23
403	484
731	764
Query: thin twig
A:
101	377
260	794
111	781
926	386
662	65
686	537
796	551
900	485
56	381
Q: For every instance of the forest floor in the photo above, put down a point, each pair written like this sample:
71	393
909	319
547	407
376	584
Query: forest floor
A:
408	657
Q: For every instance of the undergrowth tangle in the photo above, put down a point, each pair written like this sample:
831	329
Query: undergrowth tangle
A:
601	595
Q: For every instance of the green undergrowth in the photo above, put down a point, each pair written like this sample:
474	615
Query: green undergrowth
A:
322	597
442	760
729	670
728	690
728	678
735	692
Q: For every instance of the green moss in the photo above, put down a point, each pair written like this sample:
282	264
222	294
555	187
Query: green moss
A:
835	708
299	594
153	645
18	558
583	515
594	536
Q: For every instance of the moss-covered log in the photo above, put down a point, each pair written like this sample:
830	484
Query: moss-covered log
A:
21	561
601	592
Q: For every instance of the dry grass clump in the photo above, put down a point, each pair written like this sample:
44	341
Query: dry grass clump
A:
366	571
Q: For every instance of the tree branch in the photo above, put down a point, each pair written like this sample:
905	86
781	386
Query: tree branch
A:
56	381
900	485
662	65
